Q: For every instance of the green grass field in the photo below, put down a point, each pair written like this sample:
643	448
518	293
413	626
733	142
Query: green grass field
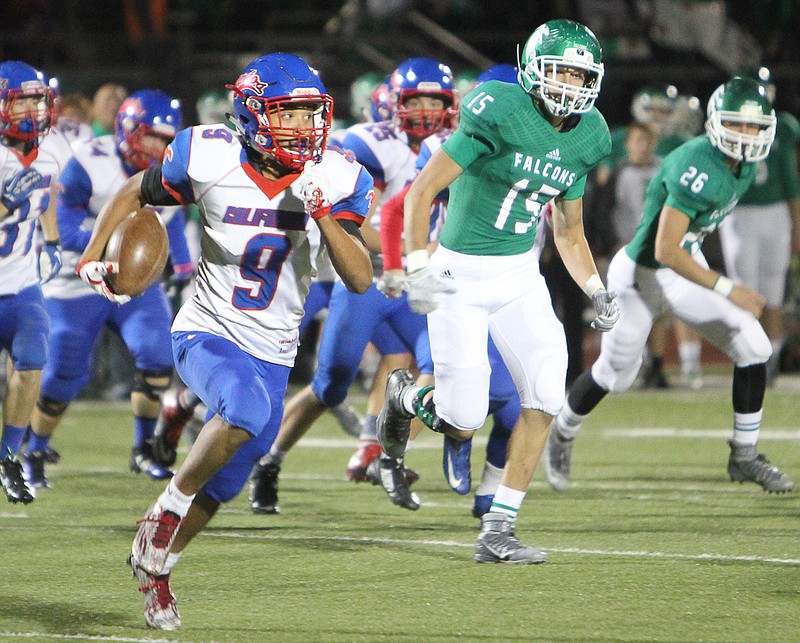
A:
651	543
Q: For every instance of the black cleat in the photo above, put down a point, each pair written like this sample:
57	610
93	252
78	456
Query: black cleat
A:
390	474
394	422
13	481
33	470
142	461
264	488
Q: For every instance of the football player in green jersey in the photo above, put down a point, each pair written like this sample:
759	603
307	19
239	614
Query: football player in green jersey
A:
517	147
662	270
764	230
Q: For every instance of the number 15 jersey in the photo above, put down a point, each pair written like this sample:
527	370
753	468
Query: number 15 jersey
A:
514	163
257	257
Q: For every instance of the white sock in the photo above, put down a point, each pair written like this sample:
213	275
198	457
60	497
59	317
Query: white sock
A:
689	353
490	480
507	501
171	560
568	422
746	426
275	456
409	445
407	399
171	499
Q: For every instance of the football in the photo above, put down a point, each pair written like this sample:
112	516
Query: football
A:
139	245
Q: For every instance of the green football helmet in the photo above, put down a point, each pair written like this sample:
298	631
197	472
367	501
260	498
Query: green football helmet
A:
362	90
762	76
654	104
555	44
213	106
741	100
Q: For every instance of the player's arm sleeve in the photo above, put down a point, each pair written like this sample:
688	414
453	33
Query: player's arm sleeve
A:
682	198
179	254
72	206
392	231
364	155
175	169
354	207
575	191
153	190
467	144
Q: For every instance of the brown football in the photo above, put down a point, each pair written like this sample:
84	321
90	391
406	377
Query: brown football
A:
140	246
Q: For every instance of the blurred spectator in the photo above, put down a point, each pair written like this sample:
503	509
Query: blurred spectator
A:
105	105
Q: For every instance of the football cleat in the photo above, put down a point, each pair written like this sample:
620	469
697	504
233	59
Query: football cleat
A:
455	463
481	505
394	422
556	460
497	543
13	480
160	604
33	470
157	531
264	488
745	464
52	456
366	452
390	474
143	461
169	428
348	419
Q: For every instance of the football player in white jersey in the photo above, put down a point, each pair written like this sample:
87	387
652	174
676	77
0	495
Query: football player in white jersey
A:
30	162
146	122
260	193
71	114
423	102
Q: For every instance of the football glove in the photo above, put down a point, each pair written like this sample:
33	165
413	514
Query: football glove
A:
314	188
423	290
18	188
94	272
606	308
49	261
392	283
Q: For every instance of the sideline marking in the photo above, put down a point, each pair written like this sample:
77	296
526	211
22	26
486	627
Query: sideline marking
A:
568	550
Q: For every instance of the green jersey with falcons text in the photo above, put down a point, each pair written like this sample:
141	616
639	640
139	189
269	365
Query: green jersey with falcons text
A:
695	180
514	162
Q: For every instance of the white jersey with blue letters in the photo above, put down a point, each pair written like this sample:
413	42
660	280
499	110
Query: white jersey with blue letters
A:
258	257
90	180
18	253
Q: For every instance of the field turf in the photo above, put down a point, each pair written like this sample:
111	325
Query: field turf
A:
652	543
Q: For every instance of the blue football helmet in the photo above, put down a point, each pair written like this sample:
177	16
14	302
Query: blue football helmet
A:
422	77
503	72
381	103
270	85
146	112
30	121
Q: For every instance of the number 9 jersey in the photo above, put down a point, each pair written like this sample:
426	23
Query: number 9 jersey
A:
514	162
257	258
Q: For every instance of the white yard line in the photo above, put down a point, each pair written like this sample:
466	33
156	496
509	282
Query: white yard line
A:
452	543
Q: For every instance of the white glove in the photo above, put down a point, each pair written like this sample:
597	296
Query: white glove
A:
392	283
314	189
94	272
424	289
49	261
606	308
